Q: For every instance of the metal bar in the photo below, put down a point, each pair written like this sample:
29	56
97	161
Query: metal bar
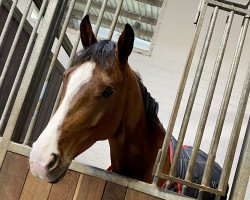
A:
7	22
241	177
57	100
191	184
193	92
235	132
72	55
22	67
52	64
224	105
39	57
208	100
14	44
108	176
197	16
71	58
234	4
229	7
180	91
99	20
116	15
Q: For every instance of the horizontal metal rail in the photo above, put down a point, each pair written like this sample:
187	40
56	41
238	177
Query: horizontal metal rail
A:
108	176
192	184
229	6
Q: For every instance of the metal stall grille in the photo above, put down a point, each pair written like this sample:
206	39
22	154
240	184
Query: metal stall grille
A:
232	9
39	67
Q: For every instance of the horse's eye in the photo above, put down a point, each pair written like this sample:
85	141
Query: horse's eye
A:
107	93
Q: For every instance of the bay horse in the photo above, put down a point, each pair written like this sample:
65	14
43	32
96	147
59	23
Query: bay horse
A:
102	99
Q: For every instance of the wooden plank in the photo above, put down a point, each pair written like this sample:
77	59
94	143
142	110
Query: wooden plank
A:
135	195
35	189
89	188
65	188
12	176
114	192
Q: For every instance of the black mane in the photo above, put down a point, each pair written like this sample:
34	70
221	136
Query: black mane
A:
151	107
103	54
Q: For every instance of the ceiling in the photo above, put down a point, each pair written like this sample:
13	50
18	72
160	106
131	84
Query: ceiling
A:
141	14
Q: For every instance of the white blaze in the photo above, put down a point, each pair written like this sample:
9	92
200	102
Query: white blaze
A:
47	143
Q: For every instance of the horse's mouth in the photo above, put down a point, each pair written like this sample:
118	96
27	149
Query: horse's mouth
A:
57	174
55	179
52	176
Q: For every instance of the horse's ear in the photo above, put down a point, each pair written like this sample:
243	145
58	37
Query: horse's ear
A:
87	36
125	44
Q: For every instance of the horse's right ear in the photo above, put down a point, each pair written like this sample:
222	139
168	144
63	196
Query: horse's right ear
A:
125	44
87	36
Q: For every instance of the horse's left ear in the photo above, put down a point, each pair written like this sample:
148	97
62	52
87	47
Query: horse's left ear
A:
87	36
125	44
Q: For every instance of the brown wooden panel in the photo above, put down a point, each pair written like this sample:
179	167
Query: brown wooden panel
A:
114	192
65	188
35	189
12	176
89	188
135	195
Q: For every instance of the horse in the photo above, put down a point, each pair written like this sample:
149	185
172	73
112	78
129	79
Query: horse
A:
102	99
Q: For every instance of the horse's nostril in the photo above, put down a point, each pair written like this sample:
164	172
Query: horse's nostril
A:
53	162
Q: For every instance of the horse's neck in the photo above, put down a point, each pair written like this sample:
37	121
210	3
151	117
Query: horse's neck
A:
134	148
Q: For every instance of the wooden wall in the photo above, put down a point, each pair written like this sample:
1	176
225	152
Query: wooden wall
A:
16	182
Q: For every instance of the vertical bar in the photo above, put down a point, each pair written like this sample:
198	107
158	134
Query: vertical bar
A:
193	91
22	67
52	64
7	22
180	90
13	46
235	132
208	100
72	56
39	57
117	12
196	18
99	20
224	105
241	177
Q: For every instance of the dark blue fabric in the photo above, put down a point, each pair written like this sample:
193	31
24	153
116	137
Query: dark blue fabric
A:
198	170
